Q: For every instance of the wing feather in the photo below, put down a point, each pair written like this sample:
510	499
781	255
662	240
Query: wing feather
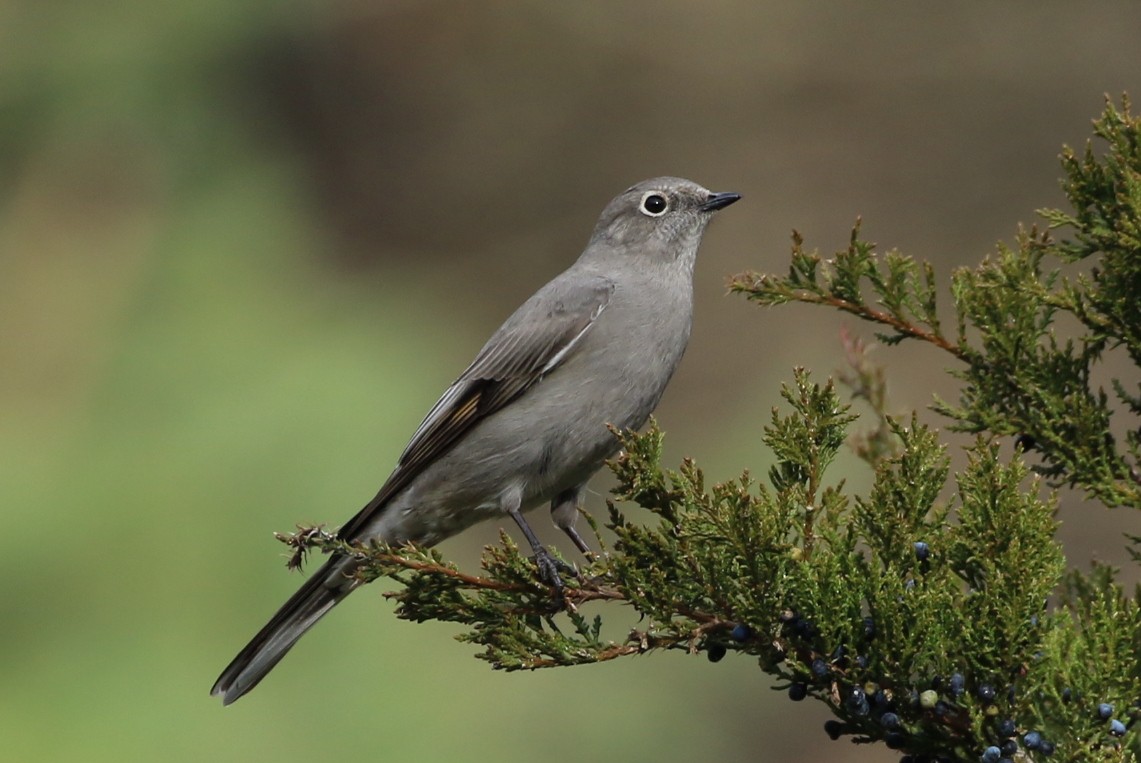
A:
516	357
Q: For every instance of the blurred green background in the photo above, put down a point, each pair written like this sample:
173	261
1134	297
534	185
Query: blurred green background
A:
243	247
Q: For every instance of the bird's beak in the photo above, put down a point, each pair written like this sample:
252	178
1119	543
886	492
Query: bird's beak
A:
719	201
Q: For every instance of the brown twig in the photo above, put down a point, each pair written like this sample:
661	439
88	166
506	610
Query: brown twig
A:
878	316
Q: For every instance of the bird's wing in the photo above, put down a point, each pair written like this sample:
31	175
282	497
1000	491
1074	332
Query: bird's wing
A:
532	343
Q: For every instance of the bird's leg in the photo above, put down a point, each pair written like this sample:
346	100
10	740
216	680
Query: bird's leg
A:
548	565
564	512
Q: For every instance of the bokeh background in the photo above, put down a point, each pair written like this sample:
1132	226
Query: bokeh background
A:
244	245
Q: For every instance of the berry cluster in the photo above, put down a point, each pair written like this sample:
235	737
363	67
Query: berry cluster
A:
1105	713
904	718
1008	747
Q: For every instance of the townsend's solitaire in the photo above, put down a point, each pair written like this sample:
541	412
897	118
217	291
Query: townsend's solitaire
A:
526	423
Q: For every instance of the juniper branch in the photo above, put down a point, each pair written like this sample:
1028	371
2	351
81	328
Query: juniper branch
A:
1019	378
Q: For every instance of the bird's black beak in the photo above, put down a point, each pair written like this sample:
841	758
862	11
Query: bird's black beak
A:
719	201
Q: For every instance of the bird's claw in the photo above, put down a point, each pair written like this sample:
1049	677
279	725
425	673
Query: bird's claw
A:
549	567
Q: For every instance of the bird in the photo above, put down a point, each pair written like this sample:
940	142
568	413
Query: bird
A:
528	423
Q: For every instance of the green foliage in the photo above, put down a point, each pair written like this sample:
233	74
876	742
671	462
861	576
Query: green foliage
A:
917	612
1019	378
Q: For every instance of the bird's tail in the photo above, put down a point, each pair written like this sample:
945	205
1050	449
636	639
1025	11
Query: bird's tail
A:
320	594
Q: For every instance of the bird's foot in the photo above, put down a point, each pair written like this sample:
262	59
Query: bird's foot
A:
549	567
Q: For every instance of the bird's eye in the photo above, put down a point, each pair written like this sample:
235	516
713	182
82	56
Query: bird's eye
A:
654	204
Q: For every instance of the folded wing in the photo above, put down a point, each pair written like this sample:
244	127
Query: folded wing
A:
531	344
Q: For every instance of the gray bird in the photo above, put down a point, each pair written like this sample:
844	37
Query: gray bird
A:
526	423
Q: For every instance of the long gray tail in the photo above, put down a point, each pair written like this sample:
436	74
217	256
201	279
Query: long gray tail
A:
271	643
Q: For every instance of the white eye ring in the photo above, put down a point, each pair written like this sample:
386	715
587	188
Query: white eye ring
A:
653	204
